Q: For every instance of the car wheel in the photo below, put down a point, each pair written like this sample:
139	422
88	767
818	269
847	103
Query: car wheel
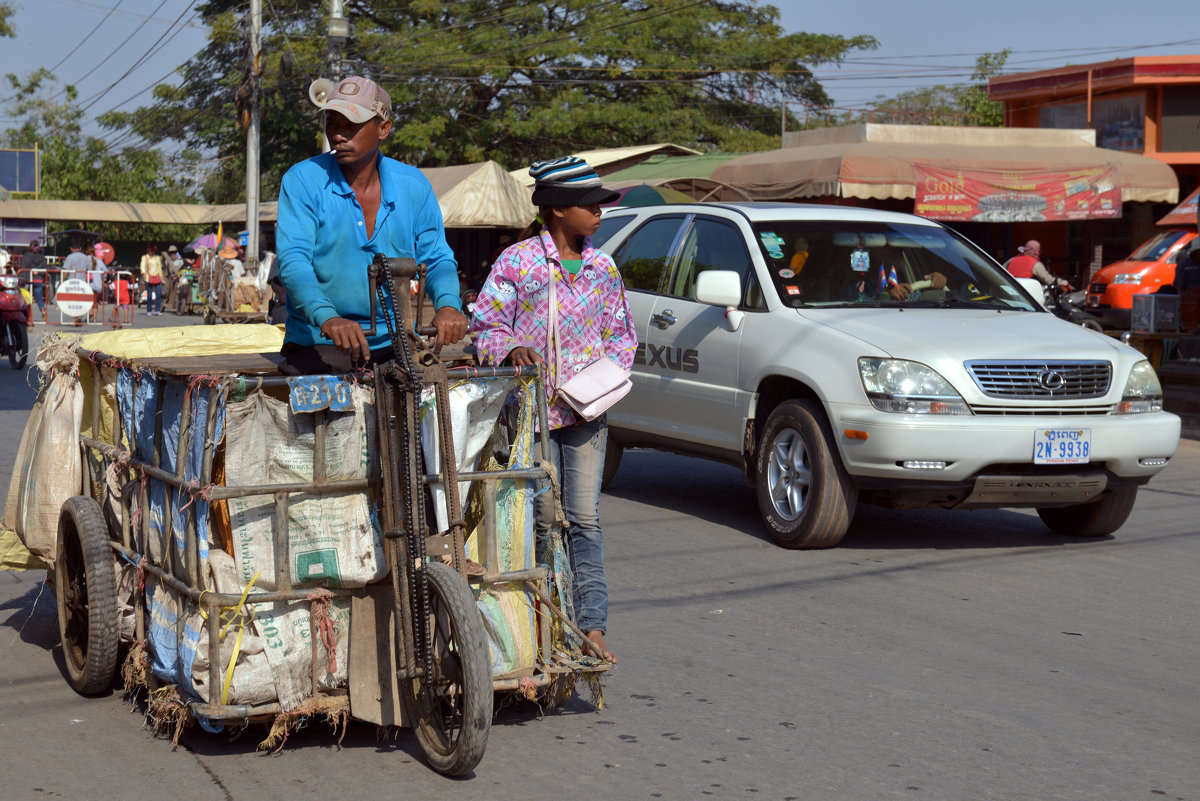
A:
1096	519
612	460
804	495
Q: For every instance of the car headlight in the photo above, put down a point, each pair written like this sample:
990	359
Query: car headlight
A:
1128	278
1143	392
898	385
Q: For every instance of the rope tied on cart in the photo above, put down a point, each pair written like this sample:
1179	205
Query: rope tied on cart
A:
197	381
324	624
240	615
194	491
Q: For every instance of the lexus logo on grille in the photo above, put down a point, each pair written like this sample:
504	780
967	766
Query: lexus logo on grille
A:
1050	380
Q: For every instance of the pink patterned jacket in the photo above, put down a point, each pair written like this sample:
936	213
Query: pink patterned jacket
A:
512	310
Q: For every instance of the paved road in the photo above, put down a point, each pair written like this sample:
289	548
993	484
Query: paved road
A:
934	655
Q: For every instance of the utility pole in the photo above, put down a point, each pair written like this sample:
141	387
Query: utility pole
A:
252	143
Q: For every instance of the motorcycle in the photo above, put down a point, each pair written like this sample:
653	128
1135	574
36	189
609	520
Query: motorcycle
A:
16	316
1066	304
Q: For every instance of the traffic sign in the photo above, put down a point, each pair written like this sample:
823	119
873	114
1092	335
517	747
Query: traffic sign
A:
74	297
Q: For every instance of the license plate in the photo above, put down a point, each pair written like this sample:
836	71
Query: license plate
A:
1062	446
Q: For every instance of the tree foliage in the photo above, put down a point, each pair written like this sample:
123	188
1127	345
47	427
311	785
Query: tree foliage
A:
79	167
472	80
6	27
959	104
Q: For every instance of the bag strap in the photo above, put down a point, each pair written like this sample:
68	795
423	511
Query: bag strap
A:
552	335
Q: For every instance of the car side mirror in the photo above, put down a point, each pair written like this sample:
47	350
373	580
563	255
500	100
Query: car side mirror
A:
721	288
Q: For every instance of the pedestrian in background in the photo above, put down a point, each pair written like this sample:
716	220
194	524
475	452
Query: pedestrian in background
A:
173	263
33	273
152	275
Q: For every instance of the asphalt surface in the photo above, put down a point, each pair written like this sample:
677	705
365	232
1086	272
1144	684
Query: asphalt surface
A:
933	655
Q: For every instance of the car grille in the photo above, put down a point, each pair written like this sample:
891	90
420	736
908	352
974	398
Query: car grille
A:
1042	380
1042	411
1097	289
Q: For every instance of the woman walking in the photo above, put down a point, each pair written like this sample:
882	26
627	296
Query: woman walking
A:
512	325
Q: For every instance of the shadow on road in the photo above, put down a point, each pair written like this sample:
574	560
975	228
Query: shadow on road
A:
718	494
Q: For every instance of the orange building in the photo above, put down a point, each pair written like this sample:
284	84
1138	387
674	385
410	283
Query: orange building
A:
1146	104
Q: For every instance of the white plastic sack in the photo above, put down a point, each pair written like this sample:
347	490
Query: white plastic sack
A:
48	468
333	538
474	406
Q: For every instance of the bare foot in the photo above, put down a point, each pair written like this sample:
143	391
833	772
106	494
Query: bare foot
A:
597	638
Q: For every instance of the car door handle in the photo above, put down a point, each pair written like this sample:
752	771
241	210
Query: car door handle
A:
663	319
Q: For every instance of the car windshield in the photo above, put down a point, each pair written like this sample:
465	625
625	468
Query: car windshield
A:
828	264
1154	248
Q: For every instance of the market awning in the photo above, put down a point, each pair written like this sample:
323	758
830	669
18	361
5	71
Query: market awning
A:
104	211
1185	212
481	195
877	161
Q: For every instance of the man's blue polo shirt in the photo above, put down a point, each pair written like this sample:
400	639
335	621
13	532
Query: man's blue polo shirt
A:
324	250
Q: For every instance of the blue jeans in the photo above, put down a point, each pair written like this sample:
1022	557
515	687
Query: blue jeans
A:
577	453
153	298
39	296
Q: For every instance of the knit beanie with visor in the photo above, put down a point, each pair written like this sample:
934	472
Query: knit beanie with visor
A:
568	181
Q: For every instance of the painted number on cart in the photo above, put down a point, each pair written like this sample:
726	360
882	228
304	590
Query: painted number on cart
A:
310	393
1062	446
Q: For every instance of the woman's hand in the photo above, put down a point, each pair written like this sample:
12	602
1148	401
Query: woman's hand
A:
524	357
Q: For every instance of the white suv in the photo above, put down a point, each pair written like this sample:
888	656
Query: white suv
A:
841	355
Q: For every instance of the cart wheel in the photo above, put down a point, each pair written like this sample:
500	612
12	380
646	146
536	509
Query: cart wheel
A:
18	344
86	585
454	707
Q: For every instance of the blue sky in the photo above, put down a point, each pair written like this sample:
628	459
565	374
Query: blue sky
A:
922	42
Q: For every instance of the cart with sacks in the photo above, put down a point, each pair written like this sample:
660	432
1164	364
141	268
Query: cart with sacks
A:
253	547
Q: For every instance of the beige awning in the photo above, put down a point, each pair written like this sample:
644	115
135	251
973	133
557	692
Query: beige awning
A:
105	211
481	195
873	162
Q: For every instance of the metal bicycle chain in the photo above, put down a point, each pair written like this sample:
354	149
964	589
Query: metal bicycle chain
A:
414	511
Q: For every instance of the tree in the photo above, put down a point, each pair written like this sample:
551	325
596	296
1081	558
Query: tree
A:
959	104
478	79
6	28
79	167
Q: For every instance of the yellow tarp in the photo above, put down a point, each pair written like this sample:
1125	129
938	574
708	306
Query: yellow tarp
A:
187	340
13	555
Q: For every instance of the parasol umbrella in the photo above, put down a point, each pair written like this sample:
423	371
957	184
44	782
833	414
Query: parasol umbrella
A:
104	251
646	195
210	241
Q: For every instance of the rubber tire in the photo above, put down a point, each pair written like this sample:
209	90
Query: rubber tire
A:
1098	518
612	460
452	603
86	584
797	431
18	344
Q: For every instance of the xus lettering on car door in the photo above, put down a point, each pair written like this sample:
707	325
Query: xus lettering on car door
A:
668	358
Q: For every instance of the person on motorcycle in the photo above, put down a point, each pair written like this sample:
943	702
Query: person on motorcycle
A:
1027	264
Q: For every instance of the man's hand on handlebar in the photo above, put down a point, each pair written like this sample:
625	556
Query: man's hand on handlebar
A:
451	326
524	357
348	336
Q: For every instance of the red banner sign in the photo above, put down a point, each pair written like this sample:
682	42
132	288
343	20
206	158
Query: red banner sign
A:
1089	193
